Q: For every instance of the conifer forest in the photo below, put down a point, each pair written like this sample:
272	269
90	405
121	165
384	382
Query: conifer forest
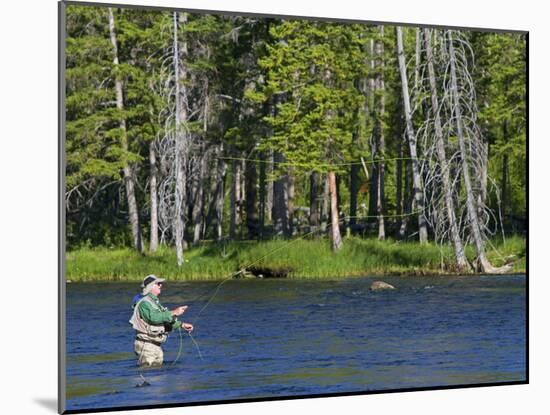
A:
185	129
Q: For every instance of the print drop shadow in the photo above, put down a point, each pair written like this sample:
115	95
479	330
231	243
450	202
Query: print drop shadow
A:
48	403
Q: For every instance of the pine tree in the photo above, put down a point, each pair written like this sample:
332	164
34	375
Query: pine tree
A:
315	65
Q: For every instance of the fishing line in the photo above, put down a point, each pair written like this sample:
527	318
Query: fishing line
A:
327	165
269	253
195	321
218	286
196	345
362	162
180	348
214	294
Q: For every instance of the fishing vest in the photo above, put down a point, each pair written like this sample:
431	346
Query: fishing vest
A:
145	331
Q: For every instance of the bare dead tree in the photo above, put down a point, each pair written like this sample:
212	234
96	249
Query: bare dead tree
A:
462	263
417	180
433	165
153	189
334	214
181	136
128	170
471	147
234	217
380	107
454	160
189	160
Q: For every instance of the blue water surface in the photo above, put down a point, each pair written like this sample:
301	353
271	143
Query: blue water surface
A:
272	338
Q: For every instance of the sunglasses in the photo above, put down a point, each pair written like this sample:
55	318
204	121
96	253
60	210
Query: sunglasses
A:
159	284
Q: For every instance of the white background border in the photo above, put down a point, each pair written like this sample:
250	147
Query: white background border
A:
28	208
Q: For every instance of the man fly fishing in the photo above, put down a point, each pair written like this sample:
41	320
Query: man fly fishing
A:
152	322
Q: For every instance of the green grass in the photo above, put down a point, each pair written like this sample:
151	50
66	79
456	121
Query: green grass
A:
305	259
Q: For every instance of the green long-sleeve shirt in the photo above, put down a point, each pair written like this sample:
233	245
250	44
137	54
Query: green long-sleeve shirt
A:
158	316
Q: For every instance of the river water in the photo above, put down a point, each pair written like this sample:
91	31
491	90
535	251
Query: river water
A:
272	338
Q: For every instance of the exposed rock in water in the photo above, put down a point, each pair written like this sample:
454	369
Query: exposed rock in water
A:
381	285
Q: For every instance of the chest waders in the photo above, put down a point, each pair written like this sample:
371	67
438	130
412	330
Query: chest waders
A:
149	337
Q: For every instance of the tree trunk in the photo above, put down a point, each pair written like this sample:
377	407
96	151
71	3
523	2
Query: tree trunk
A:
380	202
354	179
234	220
407	196
470	201
128	171
335	222
373	182
198	213
314	206
251	199
417	181
220	197
399	179
380	196
280	200
242	198
325	207
482	196
461	261
213	183
154	239
339	198
354	190
504	185
198	205
418	48
269	191
290	202
181	147
262	201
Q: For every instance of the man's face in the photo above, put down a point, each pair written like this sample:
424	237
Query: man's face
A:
156	289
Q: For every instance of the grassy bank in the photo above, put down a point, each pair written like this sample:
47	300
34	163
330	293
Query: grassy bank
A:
304	259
